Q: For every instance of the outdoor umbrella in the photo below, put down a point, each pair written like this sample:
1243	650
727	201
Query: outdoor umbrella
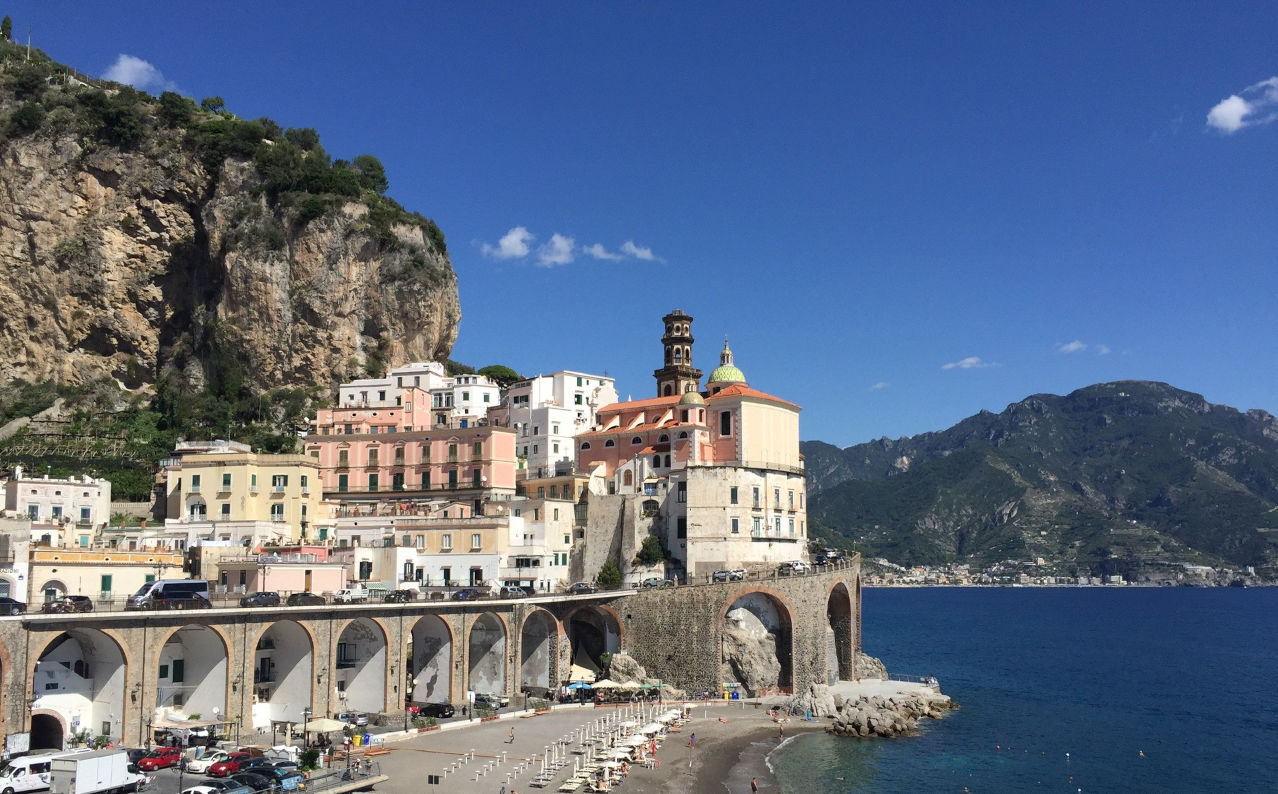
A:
606	684
632	685
579	685
324	725
579	673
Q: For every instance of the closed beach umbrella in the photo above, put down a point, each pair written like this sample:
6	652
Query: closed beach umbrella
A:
606	684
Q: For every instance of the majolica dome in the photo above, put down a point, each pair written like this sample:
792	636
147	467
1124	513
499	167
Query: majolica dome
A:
726	372
691	398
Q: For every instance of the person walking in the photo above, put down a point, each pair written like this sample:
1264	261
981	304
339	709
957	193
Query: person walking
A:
754	786
511	739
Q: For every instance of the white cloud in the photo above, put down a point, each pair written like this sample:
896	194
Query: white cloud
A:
971	362
880	386
138	73
599	252
1254	105
639	252
1103	350
559	251
513	245
1071	347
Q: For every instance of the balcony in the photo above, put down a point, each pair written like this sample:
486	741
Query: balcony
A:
277	489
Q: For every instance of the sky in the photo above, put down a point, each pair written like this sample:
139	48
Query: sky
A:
899	214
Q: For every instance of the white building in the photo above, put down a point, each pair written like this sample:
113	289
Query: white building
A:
548	411
455	401
83	501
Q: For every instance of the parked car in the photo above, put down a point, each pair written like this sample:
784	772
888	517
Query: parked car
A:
800	566
287	775
350	595
9	606
466	594
511	591
656	581
257	765
68	603
256	781
439	710
201	766
171	594
160	758
265	598
583	588
231	764
222	787
483	700
305	600
352	718
732	575
400	597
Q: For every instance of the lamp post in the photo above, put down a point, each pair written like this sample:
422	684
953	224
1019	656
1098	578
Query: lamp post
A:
347	744
306	717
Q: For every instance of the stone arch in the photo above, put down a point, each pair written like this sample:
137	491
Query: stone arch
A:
283	666
57	586
192	671
431	659
486	646
49	730
839	647
80	674
758	646
592	630
359	665
538	650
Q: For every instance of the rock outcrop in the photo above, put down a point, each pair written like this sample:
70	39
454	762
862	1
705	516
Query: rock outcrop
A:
139	261
876	715
870	667
749	653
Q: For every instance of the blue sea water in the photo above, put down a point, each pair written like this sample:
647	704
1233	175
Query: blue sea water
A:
1061	689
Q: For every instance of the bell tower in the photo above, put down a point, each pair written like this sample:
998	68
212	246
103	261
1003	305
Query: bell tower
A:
678	376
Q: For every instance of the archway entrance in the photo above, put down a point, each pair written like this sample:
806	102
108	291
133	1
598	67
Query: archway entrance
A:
283	666
431	654
487	653
191	673
361	667
80	677
840	664
538	645
592	632
757	644
47	732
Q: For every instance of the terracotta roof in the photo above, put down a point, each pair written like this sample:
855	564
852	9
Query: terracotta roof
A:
741	390
640	404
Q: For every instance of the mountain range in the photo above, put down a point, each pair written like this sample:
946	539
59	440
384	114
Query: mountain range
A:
1107	479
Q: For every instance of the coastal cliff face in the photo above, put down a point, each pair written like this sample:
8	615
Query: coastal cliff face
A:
138	261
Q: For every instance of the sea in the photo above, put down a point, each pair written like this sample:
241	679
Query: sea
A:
1102	689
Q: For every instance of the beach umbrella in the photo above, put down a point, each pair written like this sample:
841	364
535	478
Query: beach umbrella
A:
651	727
636	740
579	685
580	674
629	723
606	684
632	685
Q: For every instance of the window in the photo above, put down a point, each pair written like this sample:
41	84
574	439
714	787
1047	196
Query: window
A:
682	492
476	541
578	381
477	449
446	542
465	396
279	482
541	492
425	452
756	496
776	498
425	481
406	541
732	495
372	456
554	429
85	513
399	456
304	484
57	512
226	481
555	447
476	479
252	483
736	527
791	527
778	526
725	423
556	516
226	511
277	511
757	528
348	429
486	396
576	398
610	443
372	482
105	583
343	481
585	445
343	458
195	483
682	528
397	481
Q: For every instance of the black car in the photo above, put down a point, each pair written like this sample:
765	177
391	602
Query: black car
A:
180	599
583	588
466	594
256	781
70	603
305	600
400	597
435	710
265	598
9	606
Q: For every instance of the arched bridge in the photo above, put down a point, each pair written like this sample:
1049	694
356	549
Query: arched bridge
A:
111	674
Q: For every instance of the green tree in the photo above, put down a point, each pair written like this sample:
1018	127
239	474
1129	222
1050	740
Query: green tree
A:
609	577
27	118
6	28
372	174
651	552
175	109
501	374
213	104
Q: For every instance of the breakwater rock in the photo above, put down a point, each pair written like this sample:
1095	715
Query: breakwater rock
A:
872	715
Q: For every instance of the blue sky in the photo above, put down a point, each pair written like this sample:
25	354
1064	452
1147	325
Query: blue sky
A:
899	213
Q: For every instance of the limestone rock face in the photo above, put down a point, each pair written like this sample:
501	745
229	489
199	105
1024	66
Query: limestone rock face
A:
128	263
749	652
623	668
870	667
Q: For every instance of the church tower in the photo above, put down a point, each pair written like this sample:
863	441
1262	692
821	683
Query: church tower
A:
678	376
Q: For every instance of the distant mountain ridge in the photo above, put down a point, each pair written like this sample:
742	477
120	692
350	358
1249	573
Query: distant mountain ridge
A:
1110	477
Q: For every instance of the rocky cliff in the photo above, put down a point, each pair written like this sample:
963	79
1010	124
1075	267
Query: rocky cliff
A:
137	244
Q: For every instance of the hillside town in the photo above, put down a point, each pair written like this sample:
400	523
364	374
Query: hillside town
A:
421	482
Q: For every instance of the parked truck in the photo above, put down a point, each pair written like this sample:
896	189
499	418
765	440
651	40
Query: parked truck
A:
98	772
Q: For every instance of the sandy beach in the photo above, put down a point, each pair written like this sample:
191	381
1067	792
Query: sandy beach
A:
733	739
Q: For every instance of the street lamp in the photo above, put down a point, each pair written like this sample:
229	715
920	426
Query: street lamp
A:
306	717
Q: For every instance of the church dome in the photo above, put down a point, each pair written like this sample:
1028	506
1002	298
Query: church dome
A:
726	372
691	398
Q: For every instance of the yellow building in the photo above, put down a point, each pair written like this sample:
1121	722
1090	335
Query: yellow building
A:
226	482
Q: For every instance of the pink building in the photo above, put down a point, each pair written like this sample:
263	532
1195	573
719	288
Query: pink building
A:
394	455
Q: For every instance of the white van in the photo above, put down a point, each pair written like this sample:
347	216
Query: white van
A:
171	594
31	772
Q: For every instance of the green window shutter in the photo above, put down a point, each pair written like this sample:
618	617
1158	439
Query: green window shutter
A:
179	670
106	583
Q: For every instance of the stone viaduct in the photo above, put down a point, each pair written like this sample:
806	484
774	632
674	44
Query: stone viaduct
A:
112	673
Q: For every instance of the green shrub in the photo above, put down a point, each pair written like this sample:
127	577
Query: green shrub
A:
609	577
26	119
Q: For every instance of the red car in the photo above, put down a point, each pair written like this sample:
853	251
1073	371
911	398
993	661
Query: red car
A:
160	758
231	765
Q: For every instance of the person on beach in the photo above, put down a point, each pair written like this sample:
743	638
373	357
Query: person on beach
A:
754	785
511	740
781	731
692	740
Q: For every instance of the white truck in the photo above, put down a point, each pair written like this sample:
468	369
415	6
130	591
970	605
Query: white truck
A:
98	772
351	595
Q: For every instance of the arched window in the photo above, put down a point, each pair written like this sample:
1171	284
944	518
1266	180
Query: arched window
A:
668	391
610	443
667	461
678	355
663	439
585	445
683	415
636	440
684	434
627	479
656	461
